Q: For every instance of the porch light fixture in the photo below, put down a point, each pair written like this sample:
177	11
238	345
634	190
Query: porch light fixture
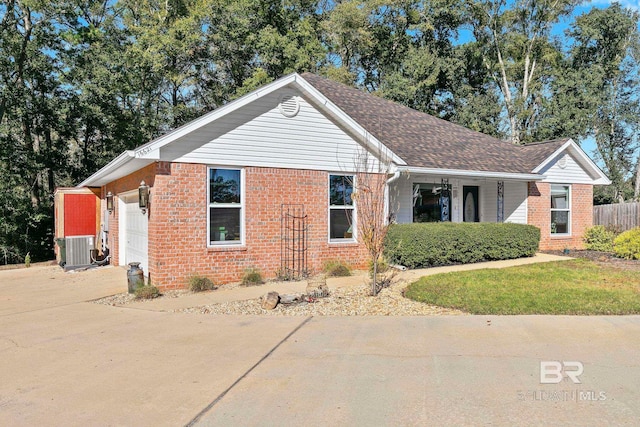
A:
143	197
110	202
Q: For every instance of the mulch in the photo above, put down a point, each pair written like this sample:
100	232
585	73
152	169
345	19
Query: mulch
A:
606	259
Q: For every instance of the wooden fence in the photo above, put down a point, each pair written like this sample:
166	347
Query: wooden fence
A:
620	216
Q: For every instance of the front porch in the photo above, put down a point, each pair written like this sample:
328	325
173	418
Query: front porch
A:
417	197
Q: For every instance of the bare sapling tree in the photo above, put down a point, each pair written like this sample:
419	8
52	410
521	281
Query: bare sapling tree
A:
370	195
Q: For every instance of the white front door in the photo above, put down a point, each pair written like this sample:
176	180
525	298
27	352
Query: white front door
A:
136	236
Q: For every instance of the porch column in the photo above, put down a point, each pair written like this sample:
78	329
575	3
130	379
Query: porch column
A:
500	201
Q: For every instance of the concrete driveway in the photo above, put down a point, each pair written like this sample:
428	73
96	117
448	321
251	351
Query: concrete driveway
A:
64	361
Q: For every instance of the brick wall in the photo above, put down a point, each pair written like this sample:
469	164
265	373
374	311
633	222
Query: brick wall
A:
123	185
178	223
539	214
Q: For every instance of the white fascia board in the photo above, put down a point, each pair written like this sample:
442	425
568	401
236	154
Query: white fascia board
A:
602	181
112	166
370	141
474	174
583	159
151	153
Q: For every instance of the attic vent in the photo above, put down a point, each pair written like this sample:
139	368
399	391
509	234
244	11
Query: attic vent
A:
289	105
562	163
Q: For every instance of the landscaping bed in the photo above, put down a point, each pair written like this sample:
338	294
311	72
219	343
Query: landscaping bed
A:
606	259
127	298
598	284
348	301
344	301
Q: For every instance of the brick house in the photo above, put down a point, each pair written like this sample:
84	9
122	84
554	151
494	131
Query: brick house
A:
266	181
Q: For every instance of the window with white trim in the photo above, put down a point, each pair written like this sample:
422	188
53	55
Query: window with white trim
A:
225	197
341	207
560	209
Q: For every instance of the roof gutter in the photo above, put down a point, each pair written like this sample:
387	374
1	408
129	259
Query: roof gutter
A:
472	174
395	176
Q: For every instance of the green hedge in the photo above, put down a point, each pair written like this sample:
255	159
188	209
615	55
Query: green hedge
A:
422	245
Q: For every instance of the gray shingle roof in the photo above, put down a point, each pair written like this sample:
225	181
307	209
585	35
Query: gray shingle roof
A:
535	153
425	141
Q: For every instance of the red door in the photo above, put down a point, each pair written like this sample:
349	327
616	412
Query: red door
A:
79	215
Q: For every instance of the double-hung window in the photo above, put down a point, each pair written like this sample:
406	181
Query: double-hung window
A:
225	196
560	209
341	207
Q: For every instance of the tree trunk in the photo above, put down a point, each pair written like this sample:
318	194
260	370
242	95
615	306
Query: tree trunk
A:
374	280
49	147
506	93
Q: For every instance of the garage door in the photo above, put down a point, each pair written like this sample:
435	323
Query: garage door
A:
136	236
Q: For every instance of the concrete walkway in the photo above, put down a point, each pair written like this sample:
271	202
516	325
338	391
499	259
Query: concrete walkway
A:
245	293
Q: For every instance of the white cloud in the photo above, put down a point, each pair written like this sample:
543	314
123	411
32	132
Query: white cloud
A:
631	4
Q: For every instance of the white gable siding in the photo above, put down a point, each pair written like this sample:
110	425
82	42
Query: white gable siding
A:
260	135
571	173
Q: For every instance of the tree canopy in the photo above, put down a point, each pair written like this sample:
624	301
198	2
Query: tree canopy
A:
83	80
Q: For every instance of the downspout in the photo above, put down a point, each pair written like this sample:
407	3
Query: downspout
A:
387	196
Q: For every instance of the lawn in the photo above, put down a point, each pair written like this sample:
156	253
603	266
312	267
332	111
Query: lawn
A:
565	287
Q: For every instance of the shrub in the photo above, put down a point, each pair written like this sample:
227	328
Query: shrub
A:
627	244
27	260
147	292
599	238
252	276
200	283
336	268
422	245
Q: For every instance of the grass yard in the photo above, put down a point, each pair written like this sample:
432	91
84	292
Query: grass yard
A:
578	287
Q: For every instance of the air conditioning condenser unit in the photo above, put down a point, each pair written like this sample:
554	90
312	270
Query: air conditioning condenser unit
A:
78	251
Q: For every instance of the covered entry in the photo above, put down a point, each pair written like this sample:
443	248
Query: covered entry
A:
134	232
436	198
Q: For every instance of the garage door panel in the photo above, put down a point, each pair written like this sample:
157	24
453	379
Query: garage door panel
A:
136	236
